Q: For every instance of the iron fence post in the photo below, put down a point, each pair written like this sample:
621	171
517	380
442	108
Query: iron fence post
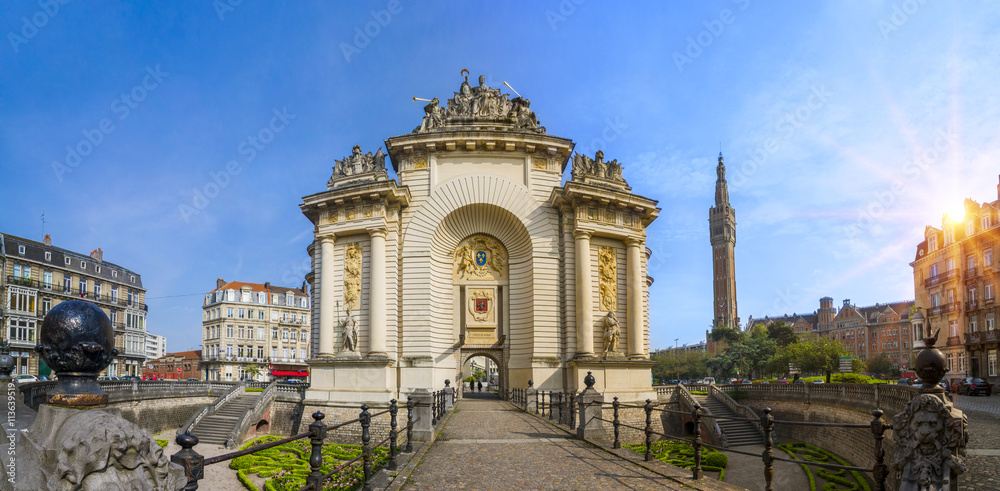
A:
559	405
572	410
696	416
879	471
191	460
393	410
767	421
317	433
434	409
649	430
614	406
409	425
366	449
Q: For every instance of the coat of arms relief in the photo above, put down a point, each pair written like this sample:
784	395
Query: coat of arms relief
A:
480	257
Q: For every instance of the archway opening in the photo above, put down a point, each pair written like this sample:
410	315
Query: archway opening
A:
482	376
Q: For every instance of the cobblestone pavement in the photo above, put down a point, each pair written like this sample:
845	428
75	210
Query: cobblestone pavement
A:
983	462
489	445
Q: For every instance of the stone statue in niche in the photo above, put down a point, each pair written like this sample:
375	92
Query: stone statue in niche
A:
612	332
352	275
607	267
350	329
930	439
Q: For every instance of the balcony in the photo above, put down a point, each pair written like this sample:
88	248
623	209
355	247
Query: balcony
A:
978	337
970	306
944	308
25	282
940	278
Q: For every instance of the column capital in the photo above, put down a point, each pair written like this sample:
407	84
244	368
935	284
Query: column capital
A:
377	232
633	241
582	234
328	238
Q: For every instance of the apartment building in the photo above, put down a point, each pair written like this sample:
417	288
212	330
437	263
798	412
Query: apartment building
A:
37	276
255	324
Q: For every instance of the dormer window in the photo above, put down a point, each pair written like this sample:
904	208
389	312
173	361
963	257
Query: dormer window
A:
48	256
949	235
114	273
20	250
83	264
931	244
98	268
67	261
985	221
132	279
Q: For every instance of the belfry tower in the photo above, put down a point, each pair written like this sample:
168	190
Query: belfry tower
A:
722	226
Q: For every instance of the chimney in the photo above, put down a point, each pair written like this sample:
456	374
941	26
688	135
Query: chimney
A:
267	285
48	238
219	283
97	255
847	302
305	287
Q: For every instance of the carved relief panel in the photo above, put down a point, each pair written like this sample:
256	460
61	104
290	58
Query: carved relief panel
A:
352	275
480	257
607	268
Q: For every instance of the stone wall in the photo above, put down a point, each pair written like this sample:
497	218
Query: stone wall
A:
157	415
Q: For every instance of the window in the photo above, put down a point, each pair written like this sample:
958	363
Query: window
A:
970	262
229	331
274	352
240	329
67	261
67	284
303	305
261	335
22	330
245	297
20	249
229	312
961	362
114	273
229	350
949	235
949	264
290	300
48	256
261	298
114	293
936	300
130	297
970	228
132	279
951	295
97	268
293	353
991	361
971	298
973	323
986	221
27	272
46	305
249	313
242	313
274	333
260	314
302	335
988	291
951	359
47	280
83	264
17	271
284	353
953	329
295	336
988	257
934	271
989	322
21	300
303	318
97	289
274	315
284	335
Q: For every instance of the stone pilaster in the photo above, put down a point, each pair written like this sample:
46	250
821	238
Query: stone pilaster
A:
633	295
327	333
584	296
376	295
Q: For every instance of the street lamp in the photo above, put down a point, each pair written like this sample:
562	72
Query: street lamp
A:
677	365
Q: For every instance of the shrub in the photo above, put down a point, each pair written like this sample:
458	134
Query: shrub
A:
251	389
161	443
716	459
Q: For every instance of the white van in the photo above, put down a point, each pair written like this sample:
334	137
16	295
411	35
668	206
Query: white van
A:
707	381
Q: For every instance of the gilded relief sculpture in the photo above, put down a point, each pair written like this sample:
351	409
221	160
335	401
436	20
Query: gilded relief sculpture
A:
352	275
607	267
479	257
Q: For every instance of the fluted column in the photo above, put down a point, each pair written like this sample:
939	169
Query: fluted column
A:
376	295
584	296
633	298
327	331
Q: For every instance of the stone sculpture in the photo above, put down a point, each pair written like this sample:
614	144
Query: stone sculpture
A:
480	105
612	331
350	332
352	275
607	268
584	167
358	165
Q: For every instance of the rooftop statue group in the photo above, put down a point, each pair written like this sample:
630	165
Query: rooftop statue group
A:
584	166
357	163
480	104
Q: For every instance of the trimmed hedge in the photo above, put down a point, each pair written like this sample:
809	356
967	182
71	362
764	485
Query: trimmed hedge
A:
285	467
681	454
836	479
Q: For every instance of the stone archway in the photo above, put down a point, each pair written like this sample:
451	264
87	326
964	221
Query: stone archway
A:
498	356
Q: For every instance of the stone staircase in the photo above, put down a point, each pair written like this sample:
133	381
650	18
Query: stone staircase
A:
215	429
738	433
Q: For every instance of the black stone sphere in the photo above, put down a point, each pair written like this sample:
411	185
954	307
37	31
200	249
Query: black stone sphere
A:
589	380
77	337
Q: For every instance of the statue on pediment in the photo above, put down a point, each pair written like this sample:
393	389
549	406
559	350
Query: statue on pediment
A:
480	105
584	167
358	164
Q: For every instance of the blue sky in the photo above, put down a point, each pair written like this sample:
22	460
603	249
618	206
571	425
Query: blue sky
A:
846	126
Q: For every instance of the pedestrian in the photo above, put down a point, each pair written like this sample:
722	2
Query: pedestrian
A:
480	386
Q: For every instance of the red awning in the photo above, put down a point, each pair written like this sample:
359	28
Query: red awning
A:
282	373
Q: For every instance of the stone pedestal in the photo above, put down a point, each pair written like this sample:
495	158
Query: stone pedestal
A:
88	449
449	398
423	430
531	399
588	406
352	380
628	380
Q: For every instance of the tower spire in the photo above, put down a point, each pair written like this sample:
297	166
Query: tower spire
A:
721	188
722	234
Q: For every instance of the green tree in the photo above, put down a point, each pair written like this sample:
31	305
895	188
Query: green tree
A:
818	355
781	333
686	364
879	365
746	355
252	371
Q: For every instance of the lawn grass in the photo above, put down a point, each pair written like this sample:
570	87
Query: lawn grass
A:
285	467
681	454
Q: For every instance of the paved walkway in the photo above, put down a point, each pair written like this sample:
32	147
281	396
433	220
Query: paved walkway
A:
491	445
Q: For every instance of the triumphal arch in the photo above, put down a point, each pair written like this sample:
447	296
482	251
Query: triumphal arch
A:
478	249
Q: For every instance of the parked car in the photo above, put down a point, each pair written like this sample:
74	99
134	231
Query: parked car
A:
673	382
192	380
903	381
955	384
798	381
108	377
781	381
746	382
25	378
972	386
819	381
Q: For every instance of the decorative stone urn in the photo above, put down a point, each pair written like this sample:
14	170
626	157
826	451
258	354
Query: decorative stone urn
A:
77	341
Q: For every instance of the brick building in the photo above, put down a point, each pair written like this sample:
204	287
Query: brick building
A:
256	324
955	279
174	366
36	276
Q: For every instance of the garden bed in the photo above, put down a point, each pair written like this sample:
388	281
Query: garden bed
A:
823	478
285	467
681	454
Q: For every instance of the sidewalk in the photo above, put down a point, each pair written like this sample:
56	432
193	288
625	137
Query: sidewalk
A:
491	445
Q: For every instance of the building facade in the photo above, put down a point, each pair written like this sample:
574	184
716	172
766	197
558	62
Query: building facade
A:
37	276
866	332
955	279
174	366
478	249
255	324
156	346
